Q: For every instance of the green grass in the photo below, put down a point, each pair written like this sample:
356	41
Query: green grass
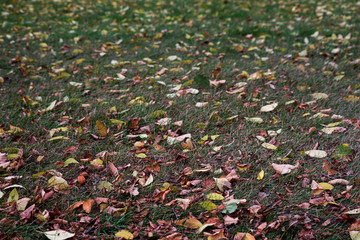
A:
72	52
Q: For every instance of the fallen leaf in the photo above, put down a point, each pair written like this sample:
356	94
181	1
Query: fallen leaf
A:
316	153
283	168
59	182
215	196
354	211
87	205
244	236
222	183
326	186
13	196
125	234
102	129
318	96
260	175
229	220
192	223
269	108
254	119
208	206
58	234
354	235
269	146
69	161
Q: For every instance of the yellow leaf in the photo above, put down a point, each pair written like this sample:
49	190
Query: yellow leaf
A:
58	182
125	234
69	161
13	196
326	186
269	146
58	138
215	196
208	206
102	129
260	175
96	162
141	155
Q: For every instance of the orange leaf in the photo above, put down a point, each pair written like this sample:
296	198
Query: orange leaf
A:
192	223
244	236
87	205
75	205
81	179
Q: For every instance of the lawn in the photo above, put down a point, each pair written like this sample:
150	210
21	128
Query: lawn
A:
220	119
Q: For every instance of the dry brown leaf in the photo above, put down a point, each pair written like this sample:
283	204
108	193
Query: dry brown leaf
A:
113	169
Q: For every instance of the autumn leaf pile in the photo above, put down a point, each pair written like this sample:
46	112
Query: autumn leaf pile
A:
173	120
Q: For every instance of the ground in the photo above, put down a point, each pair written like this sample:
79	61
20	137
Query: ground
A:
179	119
